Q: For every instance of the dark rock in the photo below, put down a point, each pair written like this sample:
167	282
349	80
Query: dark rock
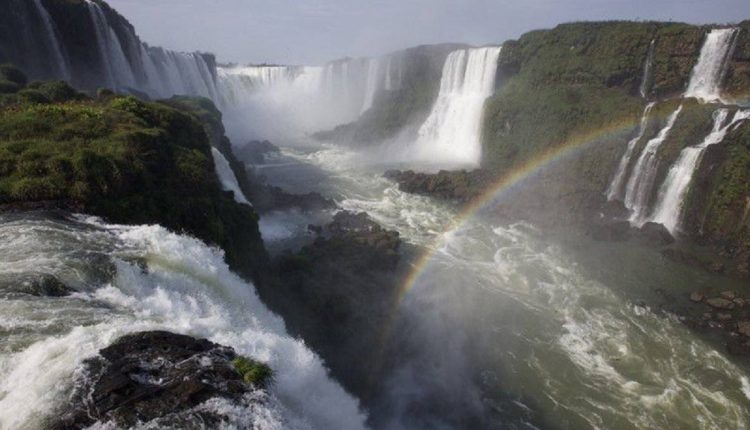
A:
151	376
720	303
729	295
655	234
255	151
743	328
723	317
41	284
610	231
458	186
697	297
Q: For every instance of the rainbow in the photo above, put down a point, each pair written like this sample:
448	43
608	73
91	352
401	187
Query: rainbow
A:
512	179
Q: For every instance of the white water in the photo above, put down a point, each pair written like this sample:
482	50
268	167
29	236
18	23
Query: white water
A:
668	210
53	41
226	177
615	190
705	81
643	90
371	85
451	134
641	182
186	289
545	329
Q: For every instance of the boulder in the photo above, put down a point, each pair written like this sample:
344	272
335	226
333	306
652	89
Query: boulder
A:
720	303
729	295
697	297
157	377
743	328
655	234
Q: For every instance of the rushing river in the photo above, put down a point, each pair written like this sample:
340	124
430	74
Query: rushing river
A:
526	330
505	327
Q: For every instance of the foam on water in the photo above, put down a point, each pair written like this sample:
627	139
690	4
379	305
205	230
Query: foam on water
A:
188	289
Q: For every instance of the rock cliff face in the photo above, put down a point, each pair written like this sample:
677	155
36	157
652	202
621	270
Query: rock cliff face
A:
578	91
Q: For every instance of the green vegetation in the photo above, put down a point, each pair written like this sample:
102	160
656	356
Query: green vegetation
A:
124	159
253	372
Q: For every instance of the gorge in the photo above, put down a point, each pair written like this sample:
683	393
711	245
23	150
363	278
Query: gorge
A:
551	232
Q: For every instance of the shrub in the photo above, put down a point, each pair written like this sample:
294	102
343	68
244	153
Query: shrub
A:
32	96
253	372
8	87
13	74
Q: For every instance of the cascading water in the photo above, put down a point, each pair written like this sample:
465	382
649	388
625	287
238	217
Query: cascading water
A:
60	59
226	177
615	190
669	206
642	178
116	66
705	81
186	288
236	84
451	134
371	85
648	65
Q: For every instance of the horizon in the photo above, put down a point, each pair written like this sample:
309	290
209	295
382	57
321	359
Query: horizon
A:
288	33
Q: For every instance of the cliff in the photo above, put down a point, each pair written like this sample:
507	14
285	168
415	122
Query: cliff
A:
129	161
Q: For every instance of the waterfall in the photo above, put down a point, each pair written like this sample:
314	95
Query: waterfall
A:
238	83
226	177
705	81
451	133
669	207
388	84
187	288
615	190
643	175
54	43
116	65
648	65
371	85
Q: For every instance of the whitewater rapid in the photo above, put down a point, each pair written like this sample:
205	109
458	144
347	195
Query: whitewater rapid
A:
505	318
185	287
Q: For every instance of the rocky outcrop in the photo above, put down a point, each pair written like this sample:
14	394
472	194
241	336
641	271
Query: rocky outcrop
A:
728	313
256	151
337	293
159	378
129	161
456	186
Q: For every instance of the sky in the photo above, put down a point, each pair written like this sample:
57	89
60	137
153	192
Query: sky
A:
315	31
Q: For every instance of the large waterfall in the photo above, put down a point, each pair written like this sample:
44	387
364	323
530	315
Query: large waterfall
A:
641	182
669	206
451	134
615	190
705	82
371	85
46	47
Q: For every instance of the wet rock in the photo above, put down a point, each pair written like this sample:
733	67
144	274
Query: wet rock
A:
655	234
697	297
743	328
256	151
611	231
459	186
40	284
723	317
151	376
719	303
740	302
729	295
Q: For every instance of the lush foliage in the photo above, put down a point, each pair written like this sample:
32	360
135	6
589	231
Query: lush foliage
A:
253	372
127	160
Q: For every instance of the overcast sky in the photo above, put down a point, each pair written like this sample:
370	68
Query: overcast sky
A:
313	31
